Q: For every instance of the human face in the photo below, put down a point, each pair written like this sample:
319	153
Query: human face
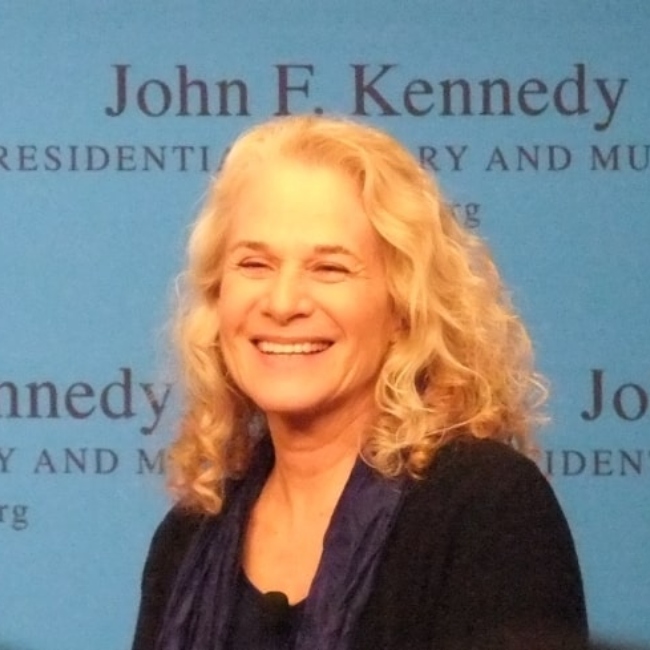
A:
304	312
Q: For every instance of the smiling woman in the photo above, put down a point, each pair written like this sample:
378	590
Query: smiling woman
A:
358	393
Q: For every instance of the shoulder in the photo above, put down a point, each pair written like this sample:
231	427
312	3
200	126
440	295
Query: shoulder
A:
485	498
482	556
480	456
169	545
470	467
176	525
170	541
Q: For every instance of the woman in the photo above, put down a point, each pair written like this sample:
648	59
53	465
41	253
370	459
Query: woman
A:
358	394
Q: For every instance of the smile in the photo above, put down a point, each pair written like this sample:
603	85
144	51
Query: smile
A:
307	347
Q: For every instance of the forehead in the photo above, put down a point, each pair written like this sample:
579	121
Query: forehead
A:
292	202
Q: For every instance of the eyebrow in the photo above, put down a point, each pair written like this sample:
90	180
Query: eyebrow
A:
321	249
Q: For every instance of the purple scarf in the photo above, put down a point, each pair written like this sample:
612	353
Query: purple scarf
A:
202	601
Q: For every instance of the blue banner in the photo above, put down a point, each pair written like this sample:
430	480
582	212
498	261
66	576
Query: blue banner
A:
113	116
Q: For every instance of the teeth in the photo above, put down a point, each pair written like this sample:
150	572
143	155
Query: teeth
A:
291	348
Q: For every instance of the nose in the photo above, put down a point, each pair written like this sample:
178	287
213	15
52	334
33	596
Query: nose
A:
287	296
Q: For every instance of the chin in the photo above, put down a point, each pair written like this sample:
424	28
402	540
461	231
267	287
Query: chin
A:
288	409
295	406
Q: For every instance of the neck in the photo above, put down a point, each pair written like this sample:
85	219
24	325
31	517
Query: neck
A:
313	462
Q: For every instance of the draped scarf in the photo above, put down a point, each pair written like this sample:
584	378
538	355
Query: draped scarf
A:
199	610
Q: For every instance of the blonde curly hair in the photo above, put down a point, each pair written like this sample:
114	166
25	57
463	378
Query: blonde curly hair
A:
462	364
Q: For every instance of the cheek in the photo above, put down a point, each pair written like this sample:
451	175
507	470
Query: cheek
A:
233	304
372	320
229	325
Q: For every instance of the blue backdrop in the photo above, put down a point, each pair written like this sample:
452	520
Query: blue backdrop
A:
113	114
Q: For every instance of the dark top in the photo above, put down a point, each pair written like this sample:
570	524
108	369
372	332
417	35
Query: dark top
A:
262	621
480	558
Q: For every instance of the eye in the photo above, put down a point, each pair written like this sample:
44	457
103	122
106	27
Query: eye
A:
255	267
330	271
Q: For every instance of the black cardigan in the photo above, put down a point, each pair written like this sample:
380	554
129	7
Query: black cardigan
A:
480	558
